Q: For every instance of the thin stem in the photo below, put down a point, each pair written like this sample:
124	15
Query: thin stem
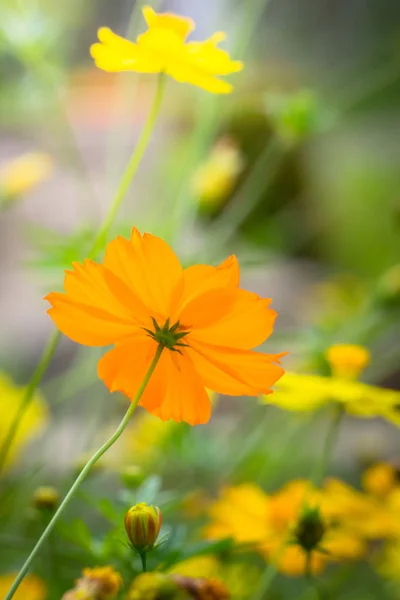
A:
123	187
83	474
320	468
132	167
143	558
29	393
270	572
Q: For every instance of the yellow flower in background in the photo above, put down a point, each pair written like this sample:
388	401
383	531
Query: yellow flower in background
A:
100	583
309	392
34	419
215	179
163	49
20	175
270	522
241	579
31	588
379	479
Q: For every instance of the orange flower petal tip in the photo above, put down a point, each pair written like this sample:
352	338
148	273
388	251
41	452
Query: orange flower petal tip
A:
141	298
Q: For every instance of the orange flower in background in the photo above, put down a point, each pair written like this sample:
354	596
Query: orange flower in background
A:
141	298
163	49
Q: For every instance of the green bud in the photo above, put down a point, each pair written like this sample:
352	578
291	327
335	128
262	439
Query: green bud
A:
310	529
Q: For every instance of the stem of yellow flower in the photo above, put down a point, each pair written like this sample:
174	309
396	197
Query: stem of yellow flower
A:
270	572
132	167
29	393
320	469
123	187
83	474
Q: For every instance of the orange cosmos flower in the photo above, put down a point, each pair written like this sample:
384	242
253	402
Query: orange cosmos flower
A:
163	49
141	298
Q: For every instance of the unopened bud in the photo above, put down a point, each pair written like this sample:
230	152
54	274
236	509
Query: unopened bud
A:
46	498
310	529
143	524
347	361
132	476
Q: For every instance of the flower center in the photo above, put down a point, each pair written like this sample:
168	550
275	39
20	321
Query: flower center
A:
166	336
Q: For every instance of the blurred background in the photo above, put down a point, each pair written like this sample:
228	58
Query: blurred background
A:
297	172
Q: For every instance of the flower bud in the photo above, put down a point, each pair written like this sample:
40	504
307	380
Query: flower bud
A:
132	476
310	529
46	498
347	361
143	524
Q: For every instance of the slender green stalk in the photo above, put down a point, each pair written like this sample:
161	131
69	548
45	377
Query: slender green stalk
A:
82	476
270	572
132	167
29	393
100	239
320	469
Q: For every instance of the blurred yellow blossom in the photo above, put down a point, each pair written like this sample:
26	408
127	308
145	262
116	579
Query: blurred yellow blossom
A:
215	179
379	479
163	49
100	583
304	392
22	174
31	588
271	522
241	579
33	420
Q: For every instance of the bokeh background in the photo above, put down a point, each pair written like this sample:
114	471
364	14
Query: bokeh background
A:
297	172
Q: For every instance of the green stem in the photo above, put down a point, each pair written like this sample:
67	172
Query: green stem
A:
143	557
270	572
29	393
131	168
83	474
123	187
320	469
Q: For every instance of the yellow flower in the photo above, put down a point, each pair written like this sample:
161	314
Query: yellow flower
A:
100	583
240	579
163	49
22	174
379	480
309	392
31	588
33	421
214	181
271	523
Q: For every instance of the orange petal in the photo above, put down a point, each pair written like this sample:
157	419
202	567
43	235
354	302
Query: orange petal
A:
88	325
124	368
96	286
182	397
206	309
234	372
200	279
247	323
150	268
